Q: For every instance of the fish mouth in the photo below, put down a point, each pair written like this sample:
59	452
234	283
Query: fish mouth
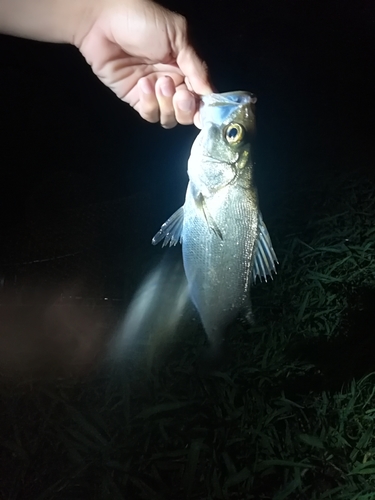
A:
239	97
222	108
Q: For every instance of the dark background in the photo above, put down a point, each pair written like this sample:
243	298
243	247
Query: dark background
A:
67	141
84	185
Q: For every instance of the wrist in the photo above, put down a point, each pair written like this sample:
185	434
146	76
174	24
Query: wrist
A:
58	21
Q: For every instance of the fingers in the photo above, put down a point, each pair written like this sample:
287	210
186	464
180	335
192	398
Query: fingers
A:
148	106
160	101
165	89
185	106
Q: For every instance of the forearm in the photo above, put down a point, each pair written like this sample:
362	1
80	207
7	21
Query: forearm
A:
45	20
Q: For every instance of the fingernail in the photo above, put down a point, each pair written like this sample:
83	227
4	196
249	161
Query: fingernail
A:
145	86
166	90
186	105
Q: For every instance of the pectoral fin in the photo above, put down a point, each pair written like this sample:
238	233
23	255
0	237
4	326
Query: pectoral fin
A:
265	257
171	230
202	205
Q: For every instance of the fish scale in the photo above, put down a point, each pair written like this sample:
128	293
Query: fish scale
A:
219	271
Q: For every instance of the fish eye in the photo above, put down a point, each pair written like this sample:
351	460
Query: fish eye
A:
234	133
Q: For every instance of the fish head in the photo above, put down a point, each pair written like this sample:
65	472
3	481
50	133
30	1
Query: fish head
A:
222	148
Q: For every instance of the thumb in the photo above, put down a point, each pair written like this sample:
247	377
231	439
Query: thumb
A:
194	70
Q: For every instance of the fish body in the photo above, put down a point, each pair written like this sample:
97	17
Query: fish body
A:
225	244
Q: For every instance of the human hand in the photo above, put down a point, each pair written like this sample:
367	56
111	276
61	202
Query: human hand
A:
141	51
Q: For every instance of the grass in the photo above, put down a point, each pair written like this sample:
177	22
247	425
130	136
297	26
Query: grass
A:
290	415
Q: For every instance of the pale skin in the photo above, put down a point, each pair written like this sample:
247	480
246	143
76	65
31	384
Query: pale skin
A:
137	48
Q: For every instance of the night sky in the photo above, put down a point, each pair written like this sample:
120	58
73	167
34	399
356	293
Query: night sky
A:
66	140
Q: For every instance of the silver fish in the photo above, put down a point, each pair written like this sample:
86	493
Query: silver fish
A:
225	244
